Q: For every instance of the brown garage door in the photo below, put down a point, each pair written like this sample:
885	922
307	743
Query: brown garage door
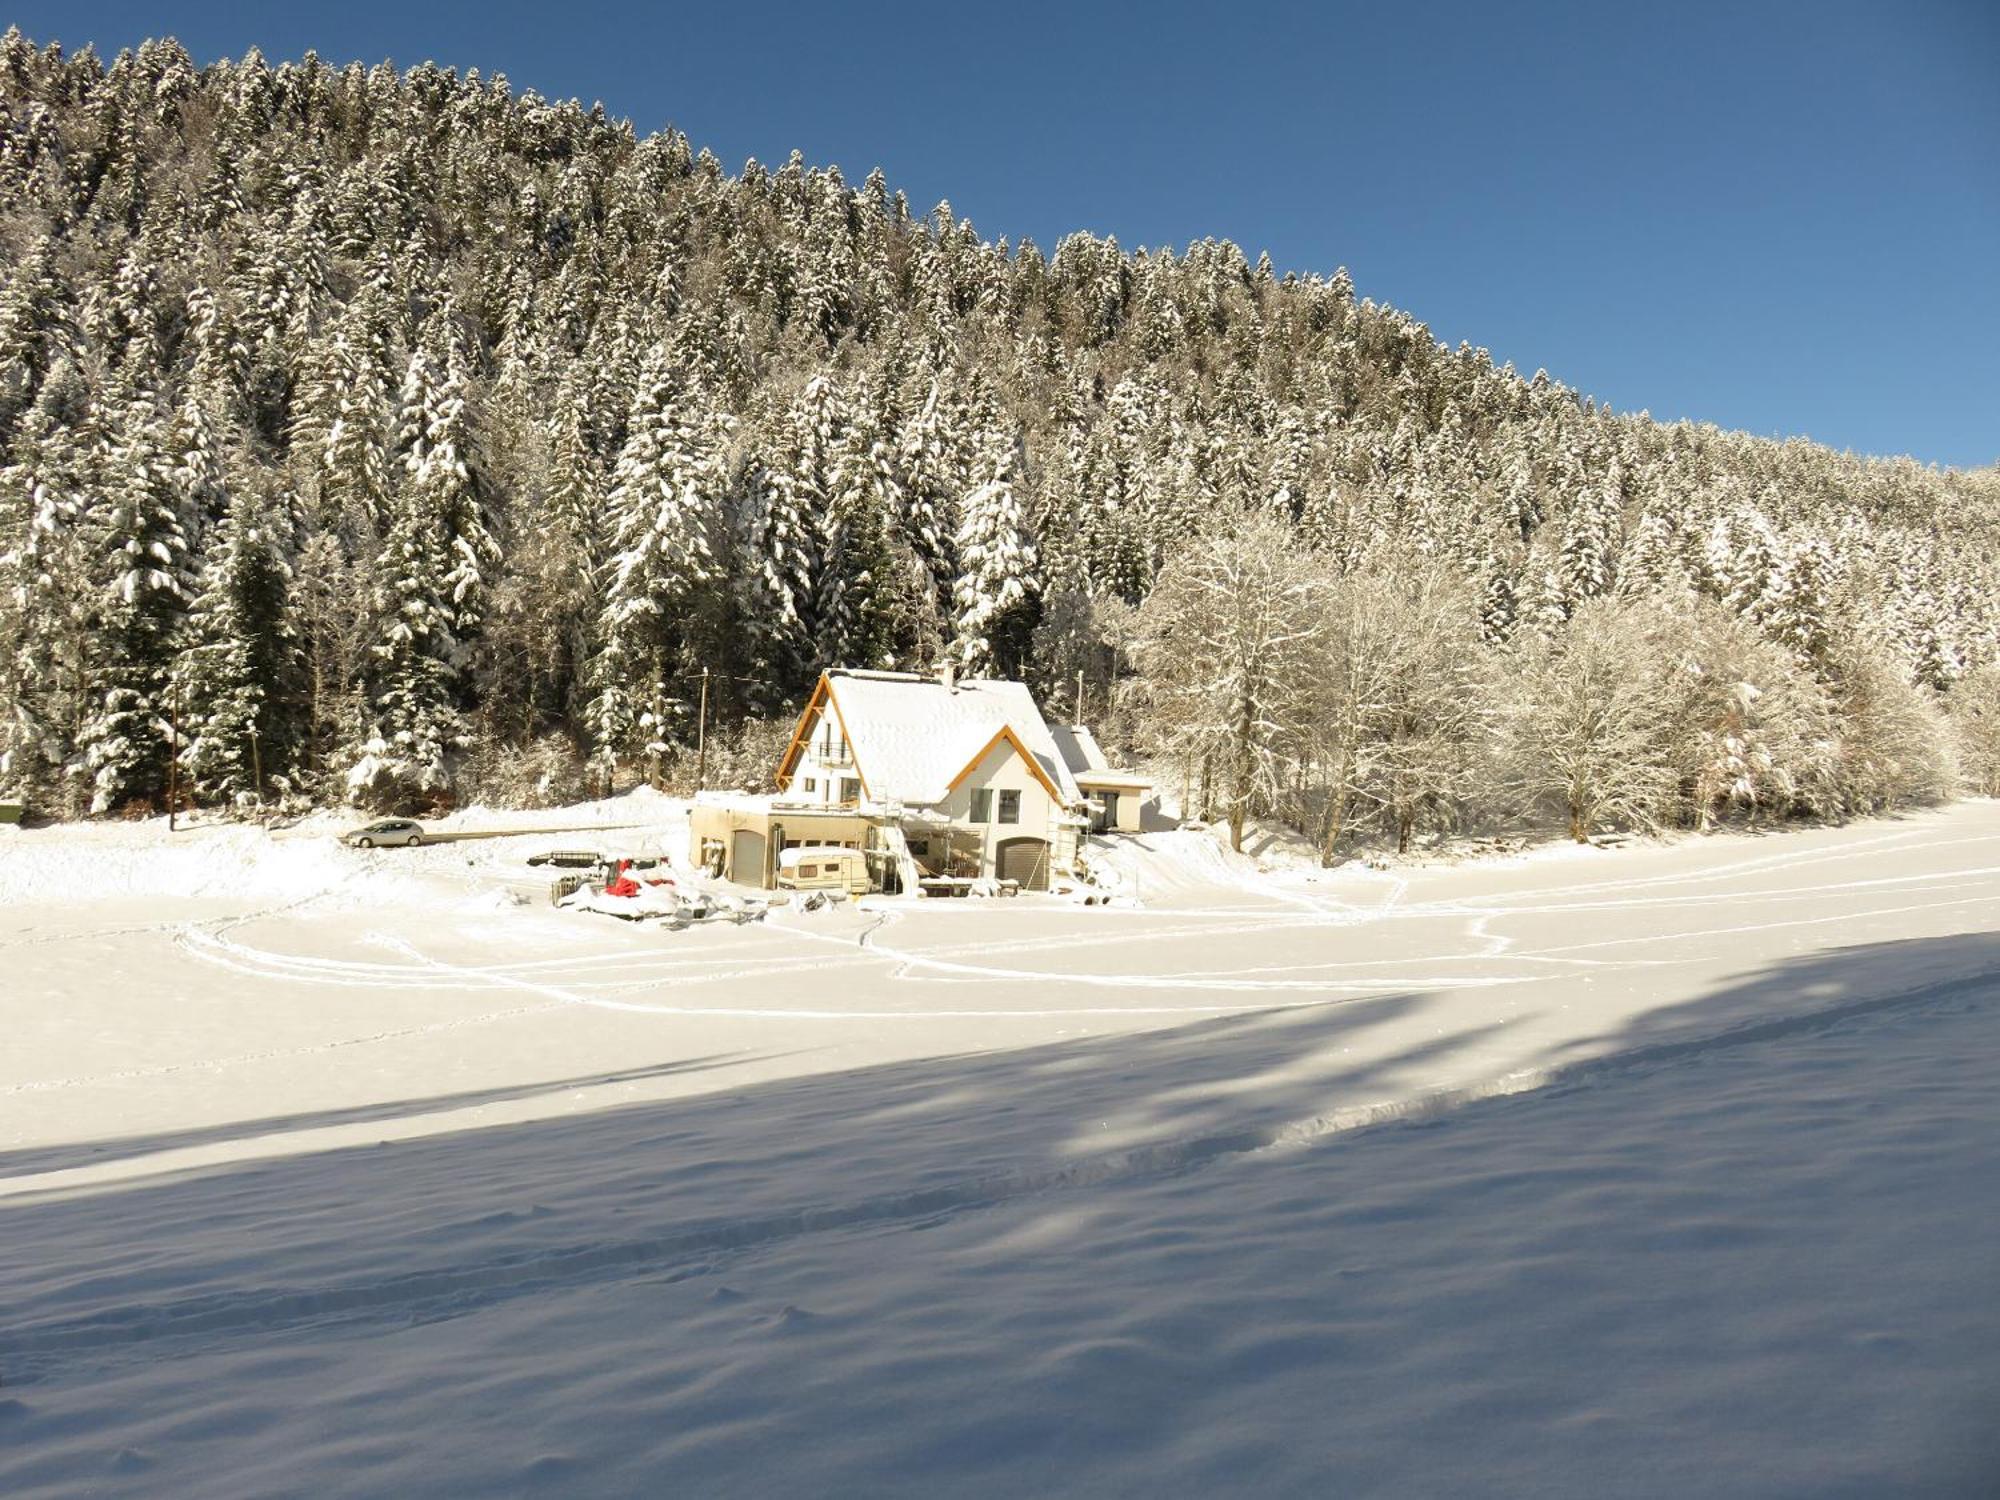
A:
746	857
1027	861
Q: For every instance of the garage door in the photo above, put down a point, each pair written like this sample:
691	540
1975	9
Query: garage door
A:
746	857
1025	860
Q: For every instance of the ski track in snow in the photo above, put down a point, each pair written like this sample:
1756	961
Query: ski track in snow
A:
903	964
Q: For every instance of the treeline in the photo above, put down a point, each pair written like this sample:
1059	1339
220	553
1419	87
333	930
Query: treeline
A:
401	437
1376	704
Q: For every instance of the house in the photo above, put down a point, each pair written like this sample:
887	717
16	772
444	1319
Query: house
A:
1115	796
934	778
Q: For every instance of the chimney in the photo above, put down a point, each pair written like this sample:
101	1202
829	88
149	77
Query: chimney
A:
948	674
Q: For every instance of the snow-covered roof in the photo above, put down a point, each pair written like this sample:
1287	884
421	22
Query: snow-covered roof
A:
1086	761
1078	747
913	736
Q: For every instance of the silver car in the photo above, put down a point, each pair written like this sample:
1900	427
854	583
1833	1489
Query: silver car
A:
385	831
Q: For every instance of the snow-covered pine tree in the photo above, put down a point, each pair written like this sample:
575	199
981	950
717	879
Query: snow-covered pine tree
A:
781	538
50	604
660	600
1591	538
141	569
1520	499
430	582
1498	605
887	601
997	598
236	676
1650	563
346	419
931	486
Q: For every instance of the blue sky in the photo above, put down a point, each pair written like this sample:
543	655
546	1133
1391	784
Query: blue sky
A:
1780	217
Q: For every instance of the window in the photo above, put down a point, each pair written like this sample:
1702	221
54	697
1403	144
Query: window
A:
850	789
1010	807
919	848
982	805
812	784
806	872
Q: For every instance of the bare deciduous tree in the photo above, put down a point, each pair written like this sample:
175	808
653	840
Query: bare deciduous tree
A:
1225	641
1586	725
1974	705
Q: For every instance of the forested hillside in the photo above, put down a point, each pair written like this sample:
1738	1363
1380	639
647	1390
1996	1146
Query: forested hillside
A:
399	436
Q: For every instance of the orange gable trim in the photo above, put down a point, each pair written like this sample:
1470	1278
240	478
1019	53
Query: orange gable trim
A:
822	694
1034	766
808	716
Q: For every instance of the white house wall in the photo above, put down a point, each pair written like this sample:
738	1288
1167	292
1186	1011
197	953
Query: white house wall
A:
1002	769
812	768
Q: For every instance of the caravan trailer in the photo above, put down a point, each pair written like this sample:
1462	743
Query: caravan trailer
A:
823	867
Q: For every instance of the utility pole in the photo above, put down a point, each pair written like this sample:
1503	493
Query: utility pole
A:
701	737
1079	695
256	763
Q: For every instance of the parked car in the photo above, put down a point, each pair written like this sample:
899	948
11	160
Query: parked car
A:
385	831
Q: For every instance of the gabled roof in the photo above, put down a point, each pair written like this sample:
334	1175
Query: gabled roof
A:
1086	761
1078	748
1006	735
914	738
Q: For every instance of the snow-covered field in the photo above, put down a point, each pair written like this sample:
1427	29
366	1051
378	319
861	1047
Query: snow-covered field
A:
1638	1171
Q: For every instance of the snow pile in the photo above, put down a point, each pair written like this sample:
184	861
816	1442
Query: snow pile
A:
96	862
647	901
1174	865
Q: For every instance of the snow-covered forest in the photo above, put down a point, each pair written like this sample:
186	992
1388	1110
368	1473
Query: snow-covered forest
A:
403	437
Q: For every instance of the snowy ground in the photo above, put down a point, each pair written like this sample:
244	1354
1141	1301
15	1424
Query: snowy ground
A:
1626	1171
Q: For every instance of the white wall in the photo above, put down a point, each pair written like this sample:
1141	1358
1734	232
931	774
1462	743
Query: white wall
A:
812	766
1002	769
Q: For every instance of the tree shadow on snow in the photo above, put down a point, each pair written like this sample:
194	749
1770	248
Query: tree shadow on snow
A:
434	1226
55	1158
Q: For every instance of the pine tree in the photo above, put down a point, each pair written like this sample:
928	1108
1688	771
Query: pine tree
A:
346	430
141	547
782	519
997	597
666	503
235	676
430	588
931	486
889	605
